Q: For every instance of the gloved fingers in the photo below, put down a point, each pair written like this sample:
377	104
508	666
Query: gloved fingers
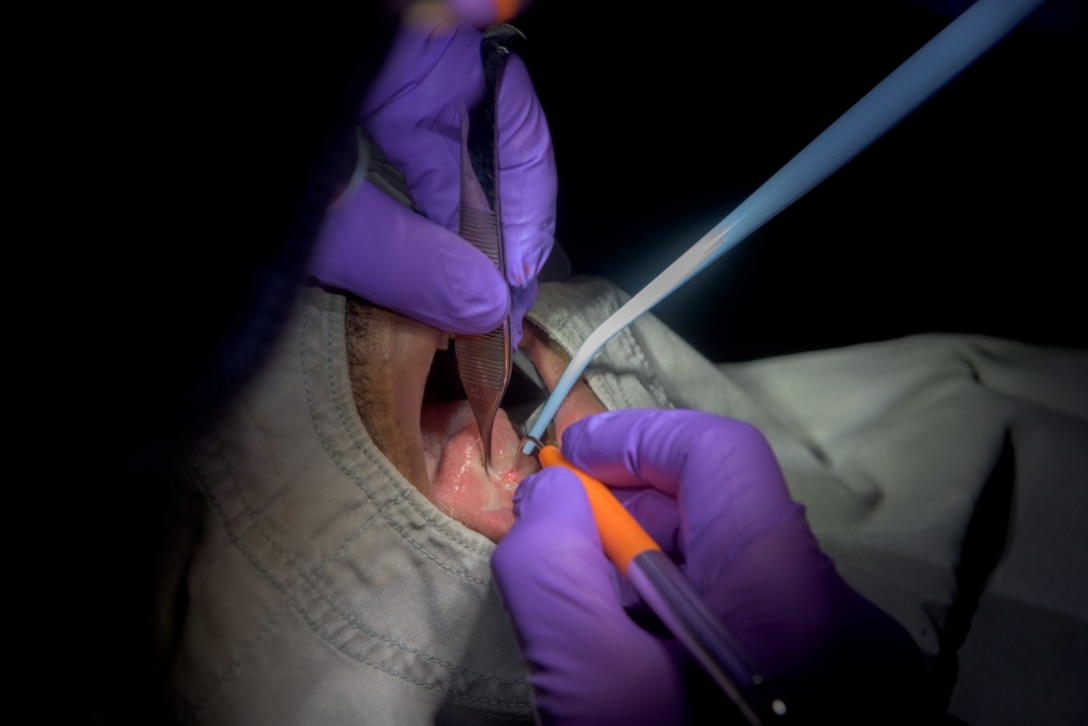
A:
750	552
827	648
782	597
385	253
527	175
657	513
746	544
586	657
521	300
413	112
725	478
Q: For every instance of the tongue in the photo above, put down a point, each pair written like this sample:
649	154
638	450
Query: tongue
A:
460	484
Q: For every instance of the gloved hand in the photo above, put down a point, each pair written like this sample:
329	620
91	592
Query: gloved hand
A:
711	493
415	263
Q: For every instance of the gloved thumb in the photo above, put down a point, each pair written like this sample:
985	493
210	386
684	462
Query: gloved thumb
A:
588	660
384	252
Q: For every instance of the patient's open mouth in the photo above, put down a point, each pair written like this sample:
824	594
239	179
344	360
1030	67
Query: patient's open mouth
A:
461	486
409	398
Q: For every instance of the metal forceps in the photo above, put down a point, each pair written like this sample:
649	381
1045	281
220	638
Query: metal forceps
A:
484	362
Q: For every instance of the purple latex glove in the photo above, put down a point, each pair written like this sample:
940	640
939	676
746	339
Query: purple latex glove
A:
711	493
415	263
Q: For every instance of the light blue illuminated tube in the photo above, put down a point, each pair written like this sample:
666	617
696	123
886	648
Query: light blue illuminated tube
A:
921	75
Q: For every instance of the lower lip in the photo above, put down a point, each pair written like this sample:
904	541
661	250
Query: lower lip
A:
461	486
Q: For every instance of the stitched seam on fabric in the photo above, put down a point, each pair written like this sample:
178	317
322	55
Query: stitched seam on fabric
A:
351	620
219	680
634	351
404	497
290	599
625	338
382	512
308	584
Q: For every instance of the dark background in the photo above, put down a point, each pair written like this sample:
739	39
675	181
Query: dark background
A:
966	217
188	167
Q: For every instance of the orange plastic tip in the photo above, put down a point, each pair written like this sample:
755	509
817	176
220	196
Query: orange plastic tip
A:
622	536
506	9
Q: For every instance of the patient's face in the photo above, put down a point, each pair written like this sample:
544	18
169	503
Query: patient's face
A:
434	441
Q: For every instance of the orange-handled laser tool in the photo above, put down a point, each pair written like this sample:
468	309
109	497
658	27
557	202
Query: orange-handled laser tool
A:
674	599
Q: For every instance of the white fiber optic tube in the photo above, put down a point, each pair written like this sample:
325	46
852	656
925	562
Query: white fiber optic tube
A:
934	64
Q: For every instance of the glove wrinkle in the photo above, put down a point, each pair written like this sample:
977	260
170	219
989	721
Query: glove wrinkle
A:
714	486
564	609
413	113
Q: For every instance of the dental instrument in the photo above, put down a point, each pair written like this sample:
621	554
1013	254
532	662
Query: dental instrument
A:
938	61
485	361
675	600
